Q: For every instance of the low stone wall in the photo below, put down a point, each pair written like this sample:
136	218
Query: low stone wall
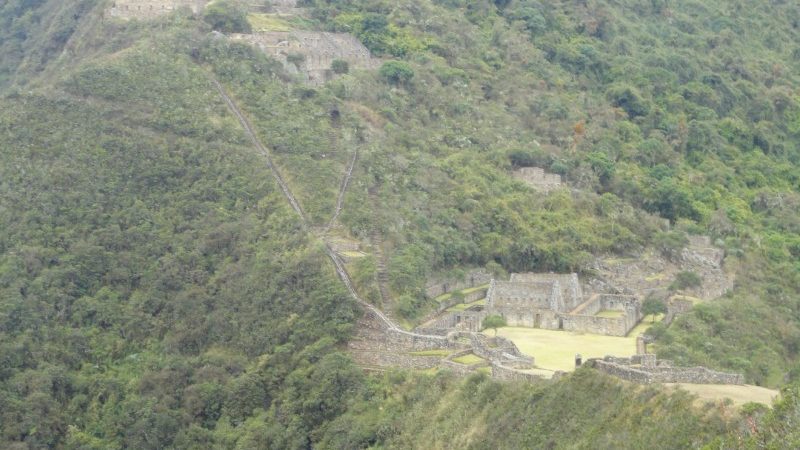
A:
504	373
662	373
404	360
609	326
623	372
394	339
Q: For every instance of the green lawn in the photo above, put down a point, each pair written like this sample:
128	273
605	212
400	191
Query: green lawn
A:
555	350
469	359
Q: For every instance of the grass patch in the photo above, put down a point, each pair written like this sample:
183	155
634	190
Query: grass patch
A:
268	22
555	350
476	288
465	306
469	359
610	314
656	277
354	254
487	370
738	394
687	297
447	295
437	352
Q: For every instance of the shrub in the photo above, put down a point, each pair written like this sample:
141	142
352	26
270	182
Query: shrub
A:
396	72
340	66
686	280
227	16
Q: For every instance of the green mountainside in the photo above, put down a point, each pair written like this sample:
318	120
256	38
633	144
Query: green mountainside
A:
157	290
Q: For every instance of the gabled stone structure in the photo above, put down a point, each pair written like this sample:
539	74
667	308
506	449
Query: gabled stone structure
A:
149	9
311	53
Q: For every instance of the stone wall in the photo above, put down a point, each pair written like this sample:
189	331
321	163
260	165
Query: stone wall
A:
512	294
504	373
651	371
568	284
148	9
456	320
500	350
608	326
538	179
317	51
473	296
473	278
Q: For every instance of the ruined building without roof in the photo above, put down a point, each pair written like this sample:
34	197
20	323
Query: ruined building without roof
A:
316	51
538	179
148	9
557	302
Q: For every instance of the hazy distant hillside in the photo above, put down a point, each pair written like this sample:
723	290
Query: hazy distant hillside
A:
157	291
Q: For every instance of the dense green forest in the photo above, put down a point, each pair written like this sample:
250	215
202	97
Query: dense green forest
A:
156	290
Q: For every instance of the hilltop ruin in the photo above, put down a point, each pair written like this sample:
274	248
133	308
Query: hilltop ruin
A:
150	9
310	53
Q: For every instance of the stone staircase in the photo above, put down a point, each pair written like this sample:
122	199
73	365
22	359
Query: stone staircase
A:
380	257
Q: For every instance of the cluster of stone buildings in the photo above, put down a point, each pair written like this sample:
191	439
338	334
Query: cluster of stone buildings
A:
549	301
308	54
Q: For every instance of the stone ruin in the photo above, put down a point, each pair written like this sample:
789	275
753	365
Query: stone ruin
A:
644	368
538	179
149	9
443	285
377	346
311	53
651	274
557	302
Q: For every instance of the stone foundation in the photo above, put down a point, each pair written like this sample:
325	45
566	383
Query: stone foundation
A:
148	9
473	278
538	179
644	369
